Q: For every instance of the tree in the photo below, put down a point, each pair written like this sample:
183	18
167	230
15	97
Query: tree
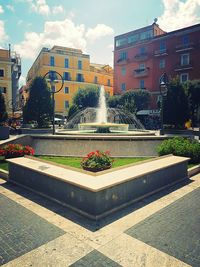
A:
175	105
192	89
87	97
135	100
114	101
3	113
39	106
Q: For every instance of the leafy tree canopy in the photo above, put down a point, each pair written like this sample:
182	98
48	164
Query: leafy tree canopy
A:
114	101
87	97
39	106
175	109
3	113
137	98
192	89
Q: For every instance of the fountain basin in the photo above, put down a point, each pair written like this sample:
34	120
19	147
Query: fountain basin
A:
103	127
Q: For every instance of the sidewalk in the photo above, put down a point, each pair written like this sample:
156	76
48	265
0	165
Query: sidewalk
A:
162	230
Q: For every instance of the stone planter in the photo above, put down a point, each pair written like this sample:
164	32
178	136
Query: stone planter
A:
96	169
4	132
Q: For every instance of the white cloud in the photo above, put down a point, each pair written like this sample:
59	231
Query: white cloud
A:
3	35
57	9
1	9
39	6
11	8
99	31
179	14
63	33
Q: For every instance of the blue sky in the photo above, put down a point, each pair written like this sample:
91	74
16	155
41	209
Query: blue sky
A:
90	25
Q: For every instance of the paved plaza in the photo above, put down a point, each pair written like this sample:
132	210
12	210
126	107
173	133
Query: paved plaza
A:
161	230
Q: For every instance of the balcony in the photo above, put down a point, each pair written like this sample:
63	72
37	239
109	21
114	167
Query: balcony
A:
184	47
181	67
141	57
141	72
161	52
122	61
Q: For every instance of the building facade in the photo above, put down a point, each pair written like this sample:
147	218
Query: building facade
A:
76	70
143	55
10	71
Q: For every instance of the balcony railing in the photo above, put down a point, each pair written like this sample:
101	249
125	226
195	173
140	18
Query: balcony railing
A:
180	67
141	72
141	57
161	52
121	61
184	47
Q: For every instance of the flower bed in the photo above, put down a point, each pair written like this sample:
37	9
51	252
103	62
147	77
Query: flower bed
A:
97	161
15	150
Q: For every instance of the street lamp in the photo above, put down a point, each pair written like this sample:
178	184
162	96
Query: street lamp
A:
163	92
52	78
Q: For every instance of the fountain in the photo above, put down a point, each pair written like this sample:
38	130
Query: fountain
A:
102	125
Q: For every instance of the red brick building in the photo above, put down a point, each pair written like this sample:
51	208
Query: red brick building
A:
143	55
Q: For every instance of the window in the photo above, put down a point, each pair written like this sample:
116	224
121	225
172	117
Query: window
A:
162	64
66	90
121	42
185	40
66	76
66	63
142	50
162	46
95	79
146	35
123	87
142	66
142	84
1	73
185	59
123	71
108	82
184	77
123	55
79	64
79	77
133	38
3	90
52	75
66	103
52	61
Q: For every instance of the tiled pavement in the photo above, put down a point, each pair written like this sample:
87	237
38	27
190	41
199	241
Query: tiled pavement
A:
162	230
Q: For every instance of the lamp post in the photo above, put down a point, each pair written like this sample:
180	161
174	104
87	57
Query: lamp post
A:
163	92
52	77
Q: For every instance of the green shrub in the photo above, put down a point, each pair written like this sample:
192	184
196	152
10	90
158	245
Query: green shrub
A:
180	146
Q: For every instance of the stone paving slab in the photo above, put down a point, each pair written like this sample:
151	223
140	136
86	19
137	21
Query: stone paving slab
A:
108	242
95	259
174	230
22	230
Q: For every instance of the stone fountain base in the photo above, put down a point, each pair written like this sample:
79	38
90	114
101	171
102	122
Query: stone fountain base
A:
103	127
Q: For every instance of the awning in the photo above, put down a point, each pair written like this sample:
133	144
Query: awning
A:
148	112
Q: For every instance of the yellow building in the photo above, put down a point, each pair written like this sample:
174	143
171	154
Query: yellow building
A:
76	70
10	71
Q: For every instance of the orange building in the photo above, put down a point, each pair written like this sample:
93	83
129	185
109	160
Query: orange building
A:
10	71
76	70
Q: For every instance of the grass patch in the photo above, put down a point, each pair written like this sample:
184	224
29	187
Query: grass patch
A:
3	165
75	162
